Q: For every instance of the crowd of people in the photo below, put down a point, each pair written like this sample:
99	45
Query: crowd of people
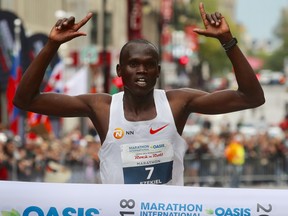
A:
73	158
209	157
230	155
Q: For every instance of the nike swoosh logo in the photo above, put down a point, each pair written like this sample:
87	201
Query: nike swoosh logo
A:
158	129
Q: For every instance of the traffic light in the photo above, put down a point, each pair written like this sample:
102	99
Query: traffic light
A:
183	60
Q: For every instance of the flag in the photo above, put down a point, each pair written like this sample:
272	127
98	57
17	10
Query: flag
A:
34	119
55	84
13	81
14	59
78	83
38	125
117	85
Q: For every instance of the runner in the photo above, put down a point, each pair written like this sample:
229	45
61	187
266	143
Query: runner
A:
140	128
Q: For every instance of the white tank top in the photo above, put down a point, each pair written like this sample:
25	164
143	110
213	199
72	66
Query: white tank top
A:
143	152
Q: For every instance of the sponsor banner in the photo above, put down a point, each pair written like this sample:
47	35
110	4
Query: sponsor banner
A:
60	199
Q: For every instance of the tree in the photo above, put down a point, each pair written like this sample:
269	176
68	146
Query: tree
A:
276	59
187	13
212	52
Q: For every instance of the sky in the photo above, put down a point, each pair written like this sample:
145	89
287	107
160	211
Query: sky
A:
260	16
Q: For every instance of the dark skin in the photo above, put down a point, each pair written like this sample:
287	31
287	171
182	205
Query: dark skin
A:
139	70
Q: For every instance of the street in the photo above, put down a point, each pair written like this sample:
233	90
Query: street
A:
273	110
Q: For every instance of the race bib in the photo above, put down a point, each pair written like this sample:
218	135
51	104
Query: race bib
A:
147	163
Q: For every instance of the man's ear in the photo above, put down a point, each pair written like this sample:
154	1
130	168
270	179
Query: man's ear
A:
118	70
159	70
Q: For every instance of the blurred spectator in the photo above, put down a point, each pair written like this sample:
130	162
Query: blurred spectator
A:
251	145
216	148
197	147
75	157
192	165
235	155
12	156
91	160
284	123
3	169
277	156
56	172
207	124
39	162
3	162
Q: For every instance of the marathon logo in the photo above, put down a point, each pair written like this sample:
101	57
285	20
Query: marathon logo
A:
183	209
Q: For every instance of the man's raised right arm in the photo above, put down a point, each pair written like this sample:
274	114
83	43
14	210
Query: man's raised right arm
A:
28	96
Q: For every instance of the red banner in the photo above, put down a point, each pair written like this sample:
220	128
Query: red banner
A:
134	19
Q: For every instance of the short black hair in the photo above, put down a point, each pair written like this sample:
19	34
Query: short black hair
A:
139	41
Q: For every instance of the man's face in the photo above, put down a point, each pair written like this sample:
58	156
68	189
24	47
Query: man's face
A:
139	68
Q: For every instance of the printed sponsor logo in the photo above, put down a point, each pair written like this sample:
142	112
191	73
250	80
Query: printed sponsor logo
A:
129	133
154	131
229	211
157	146
118	133
52	211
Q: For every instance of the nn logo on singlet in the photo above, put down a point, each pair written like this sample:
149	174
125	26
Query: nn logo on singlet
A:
119	133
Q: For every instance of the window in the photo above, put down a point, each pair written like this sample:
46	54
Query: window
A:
94	31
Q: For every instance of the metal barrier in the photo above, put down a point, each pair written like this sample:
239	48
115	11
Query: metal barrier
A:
211	171
204	171
216	172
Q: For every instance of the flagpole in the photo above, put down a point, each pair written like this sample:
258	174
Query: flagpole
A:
105	66
17	50
17	31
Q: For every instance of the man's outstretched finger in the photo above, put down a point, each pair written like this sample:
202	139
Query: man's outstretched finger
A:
83	21
202	10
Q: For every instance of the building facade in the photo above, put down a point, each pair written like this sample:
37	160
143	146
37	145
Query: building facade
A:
41	15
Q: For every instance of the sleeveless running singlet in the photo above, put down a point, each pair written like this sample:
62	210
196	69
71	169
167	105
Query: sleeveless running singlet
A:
143	152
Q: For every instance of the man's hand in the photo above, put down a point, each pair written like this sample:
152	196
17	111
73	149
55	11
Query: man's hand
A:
66	29
215	25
